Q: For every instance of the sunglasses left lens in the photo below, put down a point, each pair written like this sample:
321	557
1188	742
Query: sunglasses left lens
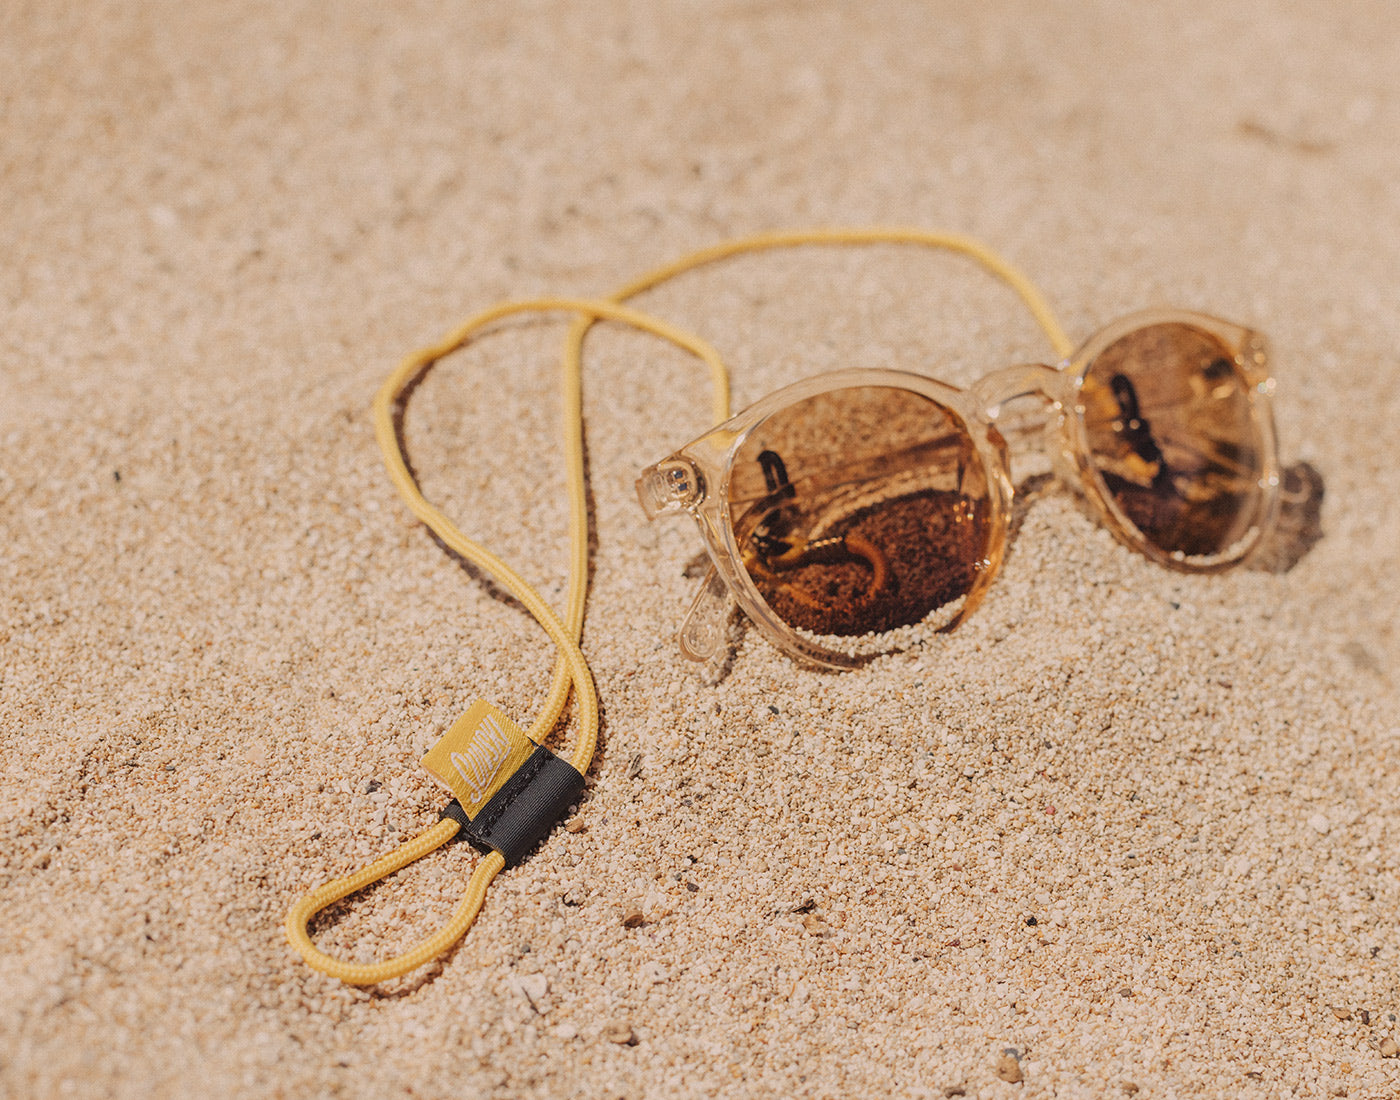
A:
1173	434
861	511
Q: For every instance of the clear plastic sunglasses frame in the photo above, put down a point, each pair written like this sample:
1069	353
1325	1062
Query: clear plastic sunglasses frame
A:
696	479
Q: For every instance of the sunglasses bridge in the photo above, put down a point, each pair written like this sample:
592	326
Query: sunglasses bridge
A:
1025	404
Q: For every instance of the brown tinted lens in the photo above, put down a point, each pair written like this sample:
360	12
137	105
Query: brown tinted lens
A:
860	510
1171	430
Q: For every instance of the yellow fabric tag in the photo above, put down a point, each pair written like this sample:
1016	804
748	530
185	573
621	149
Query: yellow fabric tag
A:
475	757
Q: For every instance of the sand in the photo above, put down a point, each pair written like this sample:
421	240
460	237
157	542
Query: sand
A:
1138	829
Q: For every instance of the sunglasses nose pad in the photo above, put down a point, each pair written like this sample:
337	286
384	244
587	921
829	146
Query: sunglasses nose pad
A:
1060	446
702	631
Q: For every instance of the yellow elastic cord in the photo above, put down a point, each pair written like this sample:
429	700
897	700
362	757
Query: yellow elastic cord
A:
576	599
573	666
300	915
764	242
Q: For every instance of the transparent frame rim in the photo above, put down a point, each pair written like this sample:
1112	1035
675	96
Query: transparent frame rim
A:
1250	353
713	453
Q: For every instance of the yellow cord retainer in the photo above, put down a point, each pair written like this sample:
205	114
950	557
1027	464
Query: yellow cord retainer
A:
507	791
523	811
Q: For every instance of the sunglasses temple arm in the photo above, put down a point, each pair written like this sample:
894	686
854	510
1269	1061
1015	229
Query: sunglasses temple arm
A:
702	631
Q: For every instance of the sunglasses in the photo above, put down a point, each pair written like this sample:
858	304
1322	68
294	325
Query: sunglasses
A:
847	514
855	513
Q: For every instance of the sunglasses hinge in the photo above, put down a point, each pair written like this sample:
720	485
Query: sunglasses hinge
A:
671	486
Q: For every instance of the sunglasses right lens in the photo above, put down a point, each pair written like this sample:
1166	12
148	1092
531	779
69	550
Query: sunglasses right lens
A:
1173	434
859	512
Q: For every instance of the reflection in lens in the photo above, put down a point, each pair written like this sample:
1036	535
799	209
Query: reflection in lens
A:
860	511
1171	431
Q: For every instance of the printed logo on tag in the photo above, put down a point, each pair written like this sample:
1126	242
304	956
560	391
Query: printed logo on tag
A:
482	761
475	757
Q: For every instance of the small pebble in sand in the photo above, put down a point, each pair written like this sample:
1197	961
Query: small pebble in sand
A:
814	925
620	1032
1341	1013
575	825
1389	1047
1008	1067
633	918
